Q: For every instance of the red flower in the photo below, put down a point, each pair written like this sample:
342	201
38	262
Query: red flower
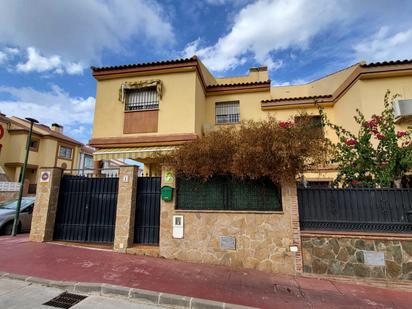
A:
399	134
373	123
380	136
351	142
285	124
355	182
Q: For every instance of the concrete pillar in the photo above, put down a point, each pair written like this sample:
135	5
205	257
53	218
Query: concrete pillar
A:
45	207
126	208
97	165
290	196
17	174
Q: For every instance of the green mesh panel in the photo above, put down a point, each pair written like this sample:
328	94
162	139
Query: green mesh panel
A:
225	193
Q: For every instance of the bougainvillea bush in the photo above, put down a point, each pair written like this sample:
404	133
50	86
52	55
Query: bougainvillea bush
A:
273	149
377	155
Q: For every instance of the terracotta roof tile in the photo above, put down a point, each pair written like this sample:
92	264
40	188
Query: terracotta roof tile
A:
313	97
137	65
383	63
48	130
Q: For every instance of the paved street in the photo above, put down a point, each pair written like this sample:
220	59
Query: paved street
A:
16	294
219	283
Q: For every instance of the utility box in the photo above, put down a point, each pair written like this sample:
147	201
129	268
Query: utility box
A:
177	227
166	193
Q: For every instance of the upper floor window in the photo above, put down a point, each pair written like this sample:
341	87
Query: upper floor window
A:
313	122
227	112
88	161
65	152
141	99
34	144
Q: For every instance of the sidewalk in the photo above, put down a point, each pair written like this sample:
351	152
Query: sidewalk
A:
230	285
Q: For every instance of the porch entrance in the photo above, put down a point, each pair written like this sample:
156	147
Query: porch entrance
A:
147	218
86	209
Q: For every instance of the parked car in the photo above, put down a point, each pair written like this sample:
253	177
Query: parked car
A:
8	211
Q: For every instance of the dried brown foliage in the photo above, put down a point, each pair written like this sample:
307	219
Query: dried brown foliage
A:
256	149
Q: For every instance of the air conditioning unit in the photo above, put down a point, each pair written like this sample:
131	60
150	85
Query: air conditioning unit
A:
402	108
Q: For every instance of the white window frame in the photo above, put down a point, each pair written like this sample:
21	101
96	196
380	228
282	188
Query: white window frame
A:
64	156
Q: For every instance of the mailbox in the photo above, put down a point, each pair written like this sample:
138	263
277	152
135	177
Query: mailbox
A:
166	193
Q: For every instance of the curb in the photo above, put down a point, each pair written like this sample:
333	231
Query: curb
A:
144	296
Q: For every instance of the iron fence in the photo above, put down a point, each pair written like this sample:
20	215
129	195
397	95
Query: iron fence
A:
355	209
227	193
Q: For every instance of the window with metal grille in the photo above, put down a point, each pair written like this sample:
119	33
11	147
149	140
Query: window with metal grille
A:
227	193
141	99
34	144
227	112
314	124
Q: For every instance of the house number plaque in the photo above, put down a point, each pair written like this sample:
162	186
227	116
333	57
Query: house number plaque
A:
227	243
374	258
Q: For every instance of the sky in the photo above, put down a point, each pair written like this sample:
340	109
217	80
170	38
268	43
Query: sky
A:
48	46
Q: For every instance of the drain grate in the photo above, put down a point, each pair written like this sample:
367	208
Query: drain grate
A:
65	300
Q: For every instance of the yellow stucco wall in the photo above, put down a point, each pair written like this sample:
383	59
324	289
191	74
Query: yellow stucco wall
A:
13	152
186	108
367	95
176	108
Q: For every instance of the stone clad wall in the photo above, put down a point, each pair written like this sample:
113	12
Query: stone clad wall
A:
45	207
348	257
263	240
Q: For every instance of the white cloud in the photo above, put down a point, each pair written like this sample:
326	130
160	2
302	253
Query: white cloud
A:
79	30
38	63
267	26
74	68
218	2
7	53
48	106
385	45
3	57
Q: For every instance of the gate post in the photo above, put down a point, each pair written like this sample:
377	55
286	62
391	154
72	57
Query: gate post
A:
45	207
126	208
290	198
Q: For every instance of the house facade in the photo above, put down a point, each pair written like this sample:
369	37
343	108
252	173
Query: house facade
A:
48	147
144	109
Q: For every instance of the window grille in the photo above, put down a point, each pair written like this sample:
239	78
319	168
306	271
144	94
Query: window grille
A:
227	112
141	99
314	124
34	144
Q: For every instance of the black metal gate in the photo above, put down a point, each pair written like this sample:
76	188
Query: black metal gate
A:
147	219
86	209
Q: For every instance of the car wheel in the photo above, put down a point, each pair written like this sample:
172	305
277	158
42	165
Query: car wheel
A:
8	228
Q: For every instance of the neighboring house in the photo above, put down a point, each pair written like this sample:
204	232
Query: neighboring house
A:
49	147
86	163
111	167
143	109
